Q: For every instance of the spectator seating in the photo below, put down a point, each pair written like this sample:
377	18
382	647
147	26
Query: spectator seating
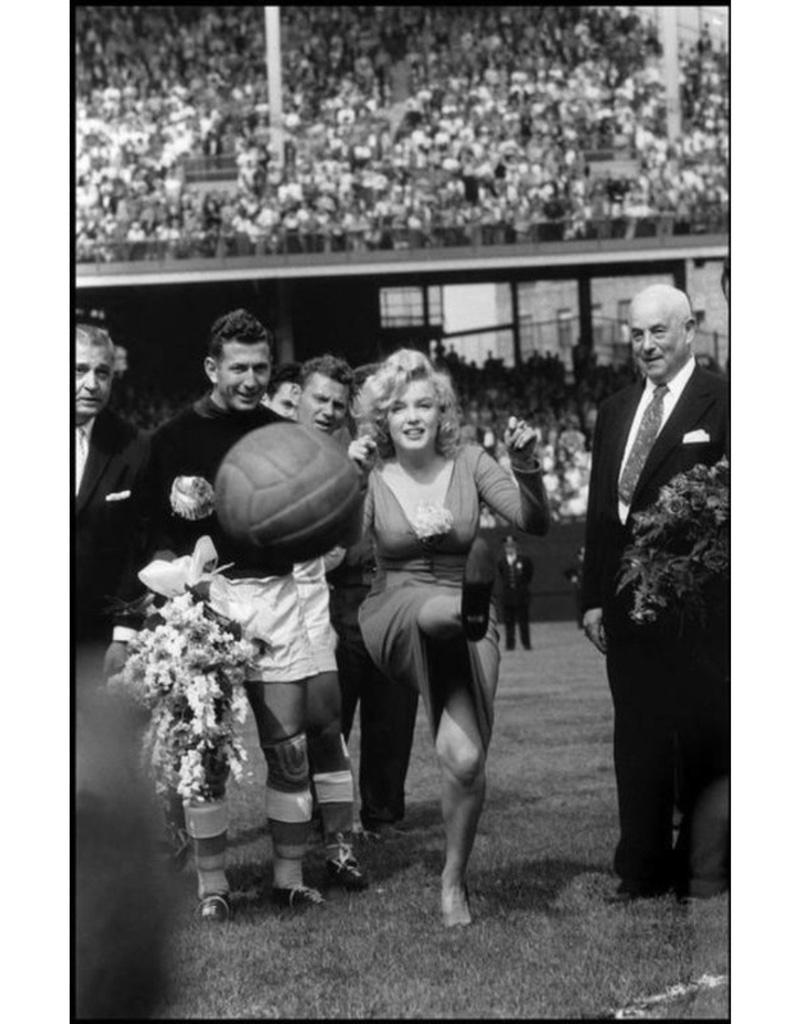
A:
404	127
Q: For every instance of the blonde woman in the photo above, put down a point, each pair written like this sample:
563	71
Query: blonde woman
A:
427	621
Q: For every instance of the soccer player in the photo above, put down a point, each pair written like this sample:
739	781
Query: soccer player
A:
193	444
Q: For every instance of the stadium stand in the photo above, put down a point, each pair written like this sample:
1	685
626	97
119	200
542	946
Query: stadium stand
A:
405	127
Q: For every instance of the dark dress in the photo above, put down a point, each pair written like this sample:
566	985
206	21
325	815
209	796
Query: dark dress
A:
410	572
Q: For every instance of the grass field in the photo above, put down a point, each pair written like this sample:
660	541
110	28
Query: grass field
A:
543	944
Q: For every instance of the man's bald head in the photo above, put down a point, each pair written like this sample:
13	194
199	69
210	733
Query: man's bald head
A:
662	331
665	295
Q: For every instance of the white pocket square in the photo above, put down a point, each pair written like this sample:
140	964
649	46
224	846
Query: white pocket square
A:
696	437
118	496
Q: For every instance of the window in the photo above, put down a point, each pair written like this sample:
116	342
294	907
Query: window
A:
564	319
405	307
401	307
435	304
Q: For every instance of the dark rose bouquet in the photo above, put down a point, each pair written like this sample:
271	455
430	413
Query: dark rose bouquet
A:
679	561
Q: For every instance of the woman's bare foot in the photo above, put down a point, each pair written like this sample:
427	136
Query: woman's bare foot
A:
455	906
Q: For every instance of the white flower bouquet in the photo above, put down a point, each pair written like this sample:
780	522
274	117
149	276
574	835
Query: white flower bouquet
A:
191	497
431	522
187	668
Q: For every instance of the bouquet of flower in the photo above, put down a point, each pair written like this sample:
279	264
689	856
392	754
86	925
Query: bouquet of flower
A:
431	522
186	668
679	561
191	497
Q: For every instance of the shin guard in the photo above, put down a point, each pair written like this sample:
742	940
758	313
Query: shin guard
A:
288	795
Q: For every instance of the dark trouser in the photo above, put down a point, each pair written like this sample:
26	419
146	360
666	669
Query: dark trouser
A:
387	716
516	615
669	714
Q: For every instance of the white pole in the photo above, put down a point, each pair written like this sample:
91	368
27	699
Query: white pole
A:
669	42
272	31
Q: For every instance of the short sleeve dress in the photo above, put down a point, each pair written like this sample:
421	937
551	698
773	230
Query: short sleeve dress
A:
410	571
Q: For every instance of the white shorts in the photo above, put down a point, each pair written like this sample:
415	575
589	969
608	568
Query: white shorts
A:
269	612
315	605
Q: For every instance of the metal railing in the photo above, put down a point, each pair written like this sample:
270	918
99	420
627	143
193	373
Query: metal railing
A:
210	168
283	241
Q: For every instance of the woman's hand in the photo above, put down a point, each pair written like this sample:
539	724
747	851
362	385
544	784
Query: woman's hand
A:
518	435
362	451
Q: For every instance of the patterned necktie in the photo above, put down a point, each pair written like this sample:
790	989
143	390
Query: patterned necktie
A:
645	437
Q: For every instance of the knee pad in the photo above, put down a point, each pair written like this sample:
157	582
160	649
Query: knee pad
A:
287	763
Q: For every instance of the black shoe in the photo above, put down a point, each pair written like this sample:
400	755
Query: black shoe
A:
343	870
697	892
214	909
298	898
627	893
476	594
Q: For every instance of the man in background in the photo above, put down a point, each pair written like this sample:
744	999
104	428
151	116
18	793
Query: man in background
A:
121	891
283	391
109	461
516	572
325	386
387	710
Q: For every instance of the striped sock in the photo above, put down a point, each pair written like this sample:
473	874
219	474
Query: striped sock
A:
333	784
335	796
207	824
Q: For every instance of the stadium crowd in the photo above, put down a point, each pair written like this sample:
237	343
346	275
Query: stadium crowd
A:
404	127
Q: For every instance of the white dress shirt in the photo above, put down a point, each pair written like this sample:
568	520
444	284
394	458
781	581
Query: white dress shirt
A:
674	391
82	450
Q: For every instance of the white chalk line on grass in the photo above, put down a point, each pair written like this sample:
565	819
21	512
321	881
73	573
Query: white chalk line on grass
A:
639	1007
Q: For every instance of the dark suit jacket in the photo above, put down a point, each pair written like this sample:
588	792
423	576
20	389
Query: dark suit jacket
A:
702	406
104	540
515	579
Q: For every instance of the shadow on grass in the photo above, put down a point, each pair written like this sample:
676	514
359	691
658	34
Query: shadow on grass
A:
423	815
533	885
538	885
248	835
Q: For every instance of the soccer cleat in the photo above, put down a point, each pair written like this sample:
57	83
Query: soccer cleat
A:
299	897
343	870
214	909
476	593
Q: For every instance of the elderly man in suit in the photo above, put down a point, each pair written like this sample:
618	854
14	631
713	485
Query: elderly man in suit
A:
109	460
670	691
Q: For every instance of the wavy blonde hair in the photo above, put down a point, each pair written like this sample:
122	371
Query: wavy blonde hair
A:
393	375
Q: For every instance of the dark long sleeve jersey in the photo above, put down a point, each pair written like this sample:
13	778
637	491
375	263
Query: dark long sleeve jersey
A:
193	444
